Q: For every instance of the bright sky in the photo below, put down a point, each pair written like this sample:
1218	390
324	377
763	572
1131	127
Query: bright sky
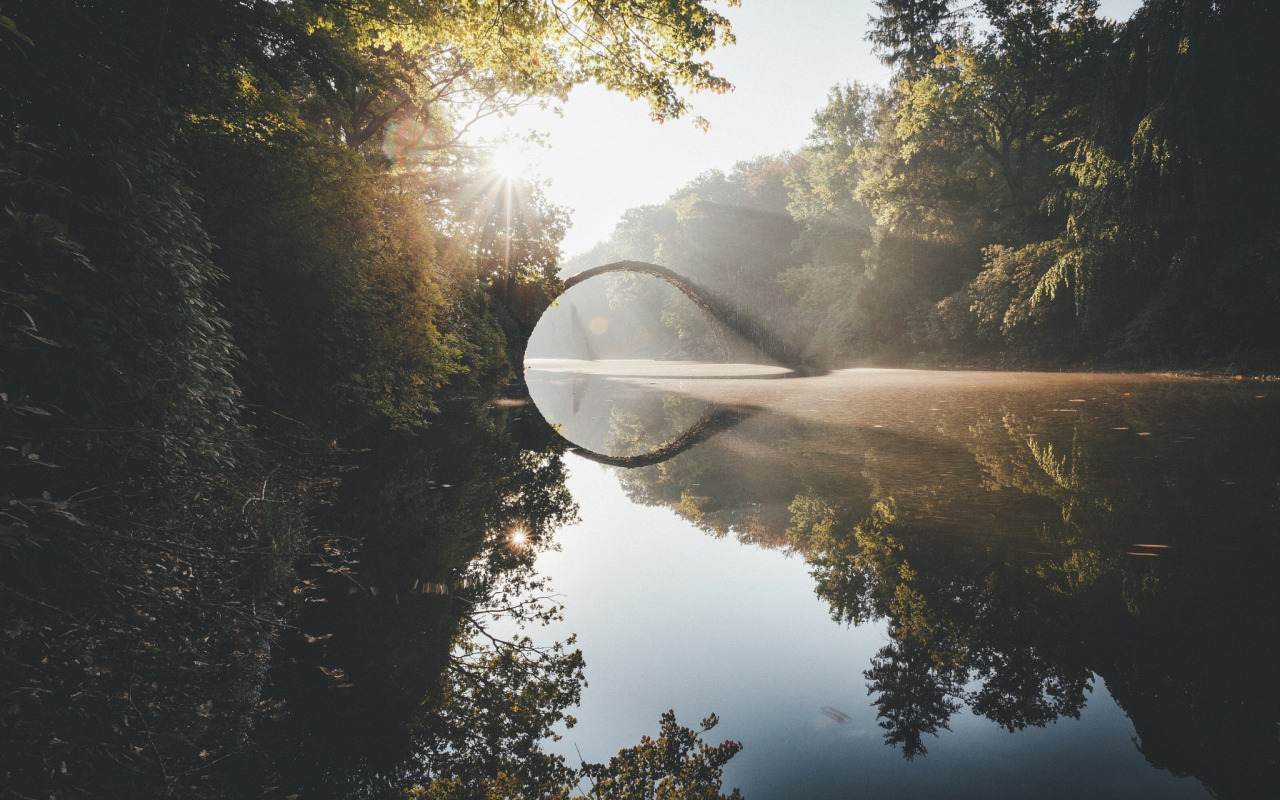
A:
606	156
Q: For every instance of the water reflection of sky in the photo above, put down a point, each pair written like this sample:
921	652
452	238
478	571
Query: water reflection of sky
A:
669	617
588	403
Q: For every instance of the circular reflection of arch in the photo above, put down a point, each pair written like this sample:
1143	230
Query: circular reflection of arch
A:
723	311
715	418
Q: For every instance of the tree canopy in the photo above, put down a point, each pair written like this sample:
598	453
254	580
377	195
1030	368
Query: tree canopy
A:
1037	186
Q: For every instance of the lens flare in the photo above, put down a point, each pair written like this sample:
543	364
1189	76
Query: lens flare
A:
405	141
509	160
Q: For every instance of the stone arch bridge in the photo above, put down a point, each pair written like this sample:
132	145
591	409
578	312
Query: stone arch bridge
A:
720	310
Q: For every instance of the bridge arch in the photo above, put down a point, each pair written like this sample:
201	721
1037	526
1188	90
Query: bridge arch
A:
721	310
686	286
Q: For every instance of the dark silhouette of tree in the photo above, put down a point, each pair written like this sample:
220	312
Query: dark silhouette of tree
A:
914	697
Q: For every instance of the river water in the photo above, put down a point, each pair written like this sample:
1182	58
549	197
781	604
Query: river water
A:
904	583
885	583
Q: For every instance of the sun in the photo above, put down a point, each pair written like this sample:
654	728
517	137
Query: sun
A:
509	160
518	536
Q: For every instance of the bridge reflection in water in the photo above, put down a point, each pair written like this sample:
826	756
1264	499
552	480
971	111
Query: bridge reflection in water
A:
612	412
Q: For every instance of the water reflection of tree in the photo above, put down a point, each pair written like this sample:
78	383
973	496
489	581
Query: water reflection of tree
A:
423	551
414	670
913	697
722	494
999	549
956	616
637	428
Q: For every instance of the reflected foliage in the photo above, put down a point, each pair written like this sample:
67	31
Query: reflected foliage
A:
722	497
414	671
1024	548
500	703
676	765
912	698
393	671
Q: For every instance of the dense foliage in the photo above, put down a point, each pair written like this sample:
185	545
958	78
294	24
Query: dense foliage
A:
240	242
1036	186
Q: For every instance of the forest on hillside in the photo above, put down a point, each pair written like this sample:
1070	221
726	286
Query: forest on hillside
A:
1037	187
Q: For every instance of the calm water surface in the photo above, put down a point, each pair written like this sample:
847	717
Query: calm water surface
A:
885	583
900	583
